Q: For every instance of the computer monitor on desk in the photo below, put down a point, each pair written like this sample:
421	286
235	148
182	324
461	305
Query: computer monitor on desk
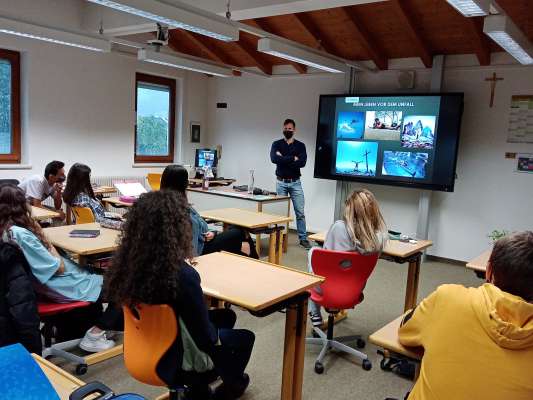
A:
205	158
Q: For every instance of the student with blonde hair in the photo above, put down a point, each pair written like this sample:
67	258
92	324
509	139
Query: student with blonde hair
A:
362	230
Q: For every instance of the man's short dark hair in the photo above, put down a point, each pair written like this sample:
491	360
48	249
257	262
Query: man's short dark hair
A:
511	261
289	121
52	168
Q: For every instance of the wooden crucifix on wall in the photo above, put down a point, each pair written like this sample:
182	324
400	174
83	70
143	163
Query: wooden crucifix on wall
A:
493	80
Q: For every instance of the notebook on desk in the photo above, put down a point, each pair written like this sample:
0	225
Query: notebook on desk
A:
84	233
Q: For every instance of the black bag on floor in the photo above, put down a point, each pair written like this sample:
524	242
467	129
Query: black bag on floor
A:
104	393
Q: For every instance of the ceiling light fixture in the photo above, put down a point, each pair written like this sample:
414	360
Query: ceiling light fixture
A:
181	62
503	31
65	38
177	16
292	53
471	8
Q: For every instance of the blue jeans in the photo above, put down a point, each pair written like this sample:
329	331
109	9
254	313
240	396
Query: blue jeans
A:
295	191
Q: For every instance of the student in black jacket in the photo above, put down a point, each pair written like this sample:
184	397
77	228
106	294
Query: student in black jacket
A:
153	266
19	319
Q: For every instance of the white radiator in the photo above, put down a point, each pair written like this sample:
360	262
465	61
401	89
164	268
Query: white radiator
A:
111	180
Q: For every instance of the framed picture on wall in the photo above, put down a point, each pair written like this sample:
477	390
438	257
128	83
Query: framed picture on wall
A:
195	132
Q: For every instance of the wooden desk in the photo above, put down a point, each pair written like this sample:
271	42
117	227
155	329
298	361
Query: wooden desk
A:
115	202
259	201
106	242
41	214
399	252
235	279
252	220
101	190
63	382
479	264
387	338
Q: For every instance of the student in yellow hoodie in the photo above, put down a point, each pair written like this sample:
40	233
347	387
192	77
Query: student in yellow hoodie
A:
478	342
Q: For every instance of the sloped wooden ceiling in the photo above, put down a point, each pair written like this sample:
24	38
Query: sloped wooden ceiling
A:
375	31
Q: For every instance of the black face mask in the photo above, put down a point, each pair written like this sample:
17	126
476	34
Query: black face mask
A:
288	134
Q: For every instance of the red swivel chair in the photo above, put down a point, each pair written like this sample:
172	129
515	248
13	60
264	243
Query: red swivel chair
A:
48	313
346	274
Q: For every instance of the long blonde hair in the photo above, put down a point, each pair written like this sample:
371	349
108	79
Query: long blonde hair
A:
363	220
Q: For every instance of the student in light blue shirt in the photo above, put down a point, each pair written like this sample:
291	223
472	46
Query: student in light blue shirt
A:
56	278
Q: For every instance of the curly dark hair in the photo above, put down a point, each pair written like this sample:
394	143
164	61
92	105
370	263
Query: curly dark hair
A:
78	181
155	241
15	211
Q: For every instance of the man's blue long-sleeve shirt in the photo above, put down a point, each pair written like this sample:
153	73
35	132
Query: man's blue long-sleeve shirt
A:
287	168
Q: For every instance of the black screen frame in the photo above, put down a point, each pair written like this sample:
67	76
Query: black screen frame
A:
324	138
197	157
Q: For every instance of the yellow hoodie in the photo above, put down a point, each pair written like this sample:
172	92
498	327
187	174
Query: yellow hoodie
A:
478	344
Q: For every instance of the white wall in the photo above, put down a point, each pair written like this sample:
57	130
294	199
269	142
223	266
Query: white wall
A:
488	194
79	105
253	120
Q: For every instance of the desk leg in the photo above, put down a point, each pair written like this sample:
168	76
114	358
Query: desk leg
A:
272	246
279	246
286	233
69	215
82	260
294	349
411	291
258	236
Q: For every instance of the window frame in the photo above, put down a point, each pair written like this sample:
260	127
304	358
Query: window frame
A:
171	84
15	156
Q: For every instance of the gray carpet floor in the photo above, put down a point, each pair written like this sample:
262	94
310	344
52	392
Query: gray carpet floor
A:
343	377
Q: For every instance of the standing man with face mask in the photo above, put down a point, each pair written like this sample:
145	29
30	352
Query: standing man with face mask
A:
290	155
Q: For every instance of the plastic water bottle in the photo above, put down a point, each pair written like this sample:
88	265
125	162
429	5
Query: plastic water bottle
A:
205	181
251	182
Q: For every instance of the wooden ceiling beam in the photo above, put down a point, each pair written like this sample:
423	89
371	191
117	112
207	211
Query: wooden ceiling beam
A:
213	53
376	53
258	59
300	68
210	52
177	46
407	20
480	40
308	26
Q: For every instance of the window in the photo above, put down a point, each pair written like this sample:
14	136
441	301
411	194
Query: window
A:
9	106
155	126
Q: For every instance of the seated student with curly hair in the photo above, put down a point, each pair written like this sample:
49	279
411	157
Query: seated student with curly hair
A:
153	266
478	342
79	193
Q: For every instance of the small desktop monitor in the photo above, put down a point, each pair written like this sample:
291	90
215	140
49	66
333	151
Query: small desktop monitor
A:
205	158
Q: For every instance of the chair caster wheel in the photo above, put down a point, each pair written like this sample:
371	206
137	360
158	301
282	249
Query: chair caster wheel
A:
367	365
319	368
360	344
81	369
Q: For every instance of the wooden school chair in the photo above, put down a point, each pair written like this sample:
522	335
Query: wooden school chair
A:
83	215
152	349
154	180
